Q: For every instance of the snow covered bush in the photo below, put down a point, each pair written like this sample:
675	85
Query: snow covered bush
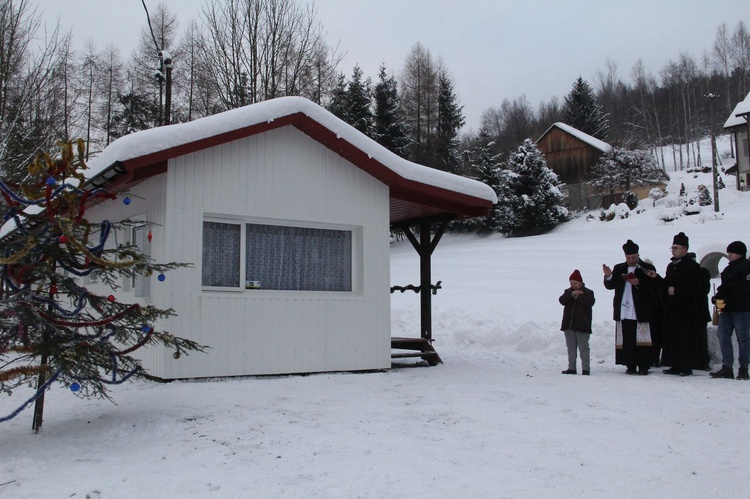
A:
656	194
620	211
704	196
630	198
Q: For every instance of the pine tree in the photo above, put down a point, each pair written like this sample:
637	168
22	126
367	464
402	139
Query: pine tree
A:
582	112
536	201
359	103
487	168
338	104
52	328
390	130
450	121
137	112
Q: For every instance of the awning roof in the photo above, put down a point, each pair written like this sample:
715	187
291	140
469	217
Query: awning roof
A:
417	192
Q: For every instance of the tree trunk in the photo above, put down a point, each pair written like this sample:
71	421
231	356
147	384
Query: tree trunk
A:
36	425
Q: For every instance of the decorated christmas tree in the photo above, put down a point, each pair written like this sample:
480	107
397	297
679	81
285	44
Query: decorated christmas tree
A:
52	328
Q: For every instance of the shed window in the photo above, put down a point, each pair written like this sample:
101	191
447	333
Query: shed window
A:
276	257
221	254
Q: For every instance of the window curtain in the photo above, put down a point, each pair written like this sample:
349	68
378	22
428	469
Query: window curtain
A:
298	258
221	255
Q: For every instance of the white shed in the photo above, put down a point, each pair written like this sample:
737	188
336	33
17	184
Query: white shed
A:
284	211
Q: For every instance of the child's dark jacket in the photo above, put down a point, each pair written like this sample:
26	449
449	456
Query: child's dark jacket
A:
578	310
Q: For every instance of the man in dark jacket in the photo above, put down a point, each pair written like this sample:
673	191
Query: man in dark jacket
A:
733	300
632	306
578	301
682	290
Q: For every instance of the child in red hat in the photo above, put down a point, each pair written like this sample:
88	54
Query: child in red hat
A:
578	301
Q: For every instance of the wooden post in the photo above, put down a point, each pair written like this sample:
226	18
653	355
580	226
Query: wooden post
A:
425	246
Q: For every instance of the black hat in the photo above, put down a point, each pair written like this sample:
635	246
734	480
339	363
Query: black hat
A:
737	247
681	240
630	248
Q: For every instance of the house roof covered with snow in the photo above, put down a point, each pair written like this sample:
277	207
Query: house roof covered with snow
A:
582	136
417	192
738	116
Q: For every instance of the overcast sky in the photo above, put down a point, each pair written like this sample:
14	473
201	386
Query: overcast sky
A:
495	49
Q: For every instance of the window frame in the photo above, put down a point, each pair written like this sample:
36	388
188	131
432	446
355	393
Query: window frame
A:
356	252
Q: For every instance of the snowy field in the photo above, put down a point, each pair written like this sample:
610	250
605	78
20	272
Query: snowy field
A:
496	420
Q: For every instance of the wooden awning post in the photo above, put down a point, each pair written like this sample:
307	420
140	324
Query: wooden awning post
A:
425	246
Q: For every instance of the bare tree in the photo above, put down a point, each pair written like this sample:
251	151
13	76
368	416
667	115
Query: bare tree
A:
31	97
419	98
740	56
646	117
111	83
256	50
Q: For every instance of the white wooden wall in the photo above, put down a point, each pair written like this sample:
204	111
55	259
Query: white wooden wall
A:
285	176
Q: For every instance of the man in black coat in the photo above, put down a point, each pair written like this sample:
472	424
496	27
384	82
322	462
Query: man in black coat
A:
632	305
733	300
682	291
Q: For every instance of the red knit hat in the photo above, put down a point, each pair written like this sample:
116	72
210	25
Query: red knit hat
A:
576	276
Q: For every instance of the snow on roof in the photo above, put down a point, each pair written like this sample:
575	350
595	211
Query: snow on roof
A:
739	114
147	142
583	136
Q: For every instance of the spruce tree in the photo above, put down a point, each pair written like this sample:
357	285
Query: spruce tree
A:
359	103
536	201
487	168
390	129
450	121
137	112
338	105
582	112
52	328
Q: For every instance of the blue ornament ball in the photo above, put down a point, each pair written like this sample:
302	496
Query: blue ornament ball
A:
51	181
74	387
145	328
162	277
126	201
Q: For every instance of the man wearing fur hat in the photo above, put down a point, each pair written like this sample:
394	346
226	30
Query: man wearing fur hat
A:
632	309
682	290
578	301
733	300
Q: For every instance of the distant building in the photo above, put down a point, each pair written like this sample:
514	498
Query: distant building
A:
571	153
739	124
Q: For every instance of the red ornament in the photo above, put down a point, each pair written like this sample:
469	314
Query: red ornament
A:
111	298
149	236
63	239
53	290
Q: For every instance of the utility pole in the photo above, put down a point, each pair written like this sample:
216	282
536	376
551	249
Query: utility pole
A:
164	65
711	98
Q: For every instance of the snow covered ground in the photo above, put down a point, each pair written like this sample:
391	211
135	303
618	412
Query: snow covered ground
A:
497	419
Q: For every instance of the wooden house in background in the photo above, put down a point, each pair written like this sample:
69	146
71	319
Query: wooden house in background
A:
571	153
739	124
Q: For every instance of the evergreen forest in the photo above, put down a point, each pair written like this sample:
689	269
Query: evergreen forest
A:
241	52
